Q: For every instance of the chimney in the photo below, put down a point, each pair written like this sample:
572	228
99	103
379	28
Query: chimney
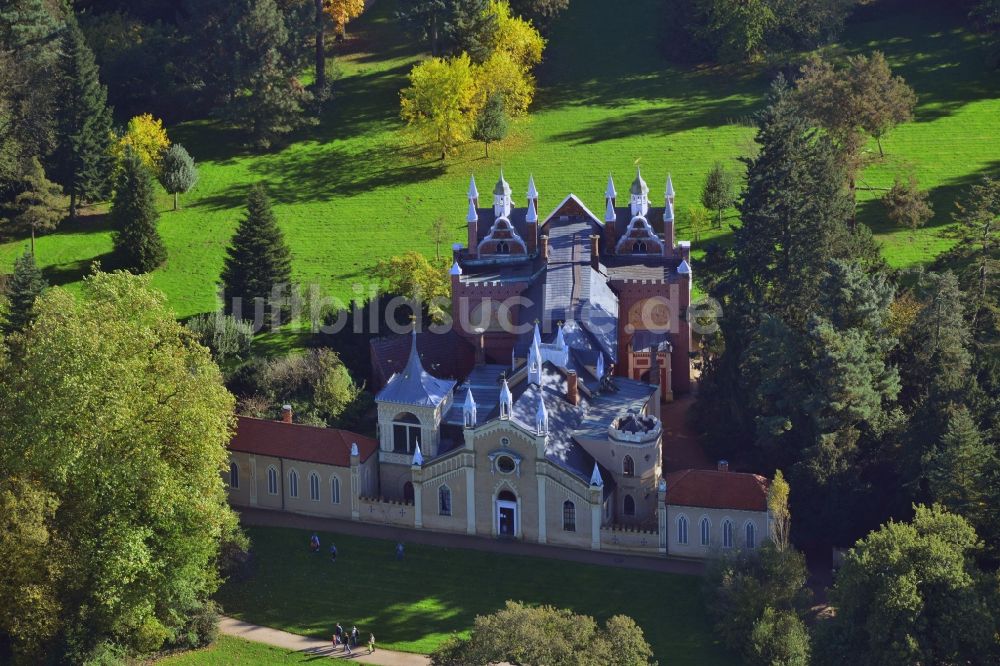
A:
480	346
286	414
723	465
545	247
595	252
572	390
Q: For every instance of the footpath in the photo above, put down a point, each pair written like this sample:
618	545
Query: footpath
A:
315	647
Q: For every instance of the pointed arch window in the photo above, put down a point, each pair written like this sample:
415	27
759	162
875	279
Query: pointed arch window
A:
706	532
503	247
314	486
751	536
272	481
628	466
293	484
682	530
569	516
444	501
727	534
234	475
628	507
639	247
334	490
408	492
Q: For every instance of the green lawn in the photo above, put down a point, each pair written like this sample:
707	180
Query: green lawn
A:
352	190
415	604
227	651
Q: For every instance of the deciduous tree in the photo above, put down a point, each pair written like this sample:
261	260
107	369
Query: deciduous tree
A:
343	12
146	136
178	174
491	122
440	101
410	275
779	638
719	191
134	217
113	434
907	205
777	505
910	593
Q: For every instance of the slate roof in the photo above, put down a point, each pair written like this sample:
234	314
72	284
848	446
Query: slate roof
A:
414	385
447	355
329	446
712	489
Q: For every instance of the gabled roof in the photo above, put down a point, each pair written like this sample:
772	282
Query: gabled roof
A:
328	446
575	199
414	385
712	489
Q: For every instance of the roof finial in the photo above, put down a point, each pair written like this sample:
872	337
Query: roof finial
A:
418	458
595	478
609	191
532	191
473	190
531	217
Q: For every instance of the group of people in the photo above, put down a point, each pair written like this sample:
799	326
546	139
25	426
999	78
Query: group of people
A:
349	639
314	547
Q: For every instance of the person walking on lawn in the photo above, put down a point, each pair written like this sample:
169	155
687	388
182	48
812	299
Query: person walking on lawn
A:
354	636
371	643
338	634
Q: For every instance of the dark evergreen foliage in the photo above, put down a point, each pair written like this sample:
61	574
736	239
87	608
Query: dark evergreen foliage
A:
82	160
451	26
257	262
25	286
178	173
138	245
491	122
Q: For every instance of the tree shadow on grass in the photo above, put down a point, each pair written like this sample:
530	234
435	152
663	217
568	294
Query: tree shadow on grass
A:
74	271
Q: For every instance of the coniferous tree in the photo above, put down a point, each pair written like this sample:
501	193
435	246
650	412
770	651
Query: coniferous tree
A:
178	173
39	206
907	205
491	122
257	262
25	286
83	157
134	216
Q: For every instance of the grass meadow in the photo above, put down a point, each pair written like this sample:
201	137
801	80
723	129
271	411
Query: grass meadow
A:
355	189
227	651
414	604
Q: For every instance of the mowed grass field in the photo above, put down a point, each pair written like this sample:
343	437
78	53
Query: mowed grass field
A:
354	189
416	603
227	651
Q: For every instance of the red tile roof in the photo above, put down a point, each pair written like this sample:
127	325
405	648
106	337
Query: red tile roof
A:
328	446
712	489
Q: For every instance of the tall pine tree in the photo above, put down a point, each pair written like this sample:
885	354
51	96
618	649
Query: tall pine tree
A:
138	245
26	284
82	160
257	262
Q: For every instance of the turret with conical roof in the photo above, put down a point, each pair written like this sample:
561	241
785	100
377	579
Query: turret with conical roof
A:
501	197
506	400
469	409
639	195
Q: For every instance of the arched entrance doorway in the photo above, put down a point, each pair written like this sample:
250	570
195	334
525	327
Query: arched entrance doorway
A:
408	492
508	518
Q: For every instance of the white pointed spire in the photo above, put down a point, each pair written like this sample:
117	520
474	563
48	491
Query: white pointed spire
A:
560	338
532	191
473	215
541	417
535	364
469	409
537	338
531	217
473	191
354	449
595	478
418	458
609	212
668	211
506	400
670	189
609	191
600	365
684	268
455	269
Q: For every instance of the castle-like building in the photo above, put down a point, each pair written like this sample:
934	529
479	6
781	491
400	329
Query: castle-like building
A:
537	416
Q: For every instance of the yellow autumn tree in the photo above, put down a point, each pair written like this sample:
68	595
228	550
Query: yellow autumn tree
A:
146	136
515	48
343	12
441	101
